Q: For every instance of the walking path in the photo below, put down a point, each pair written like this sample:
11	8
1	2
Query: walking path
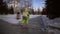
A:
8	25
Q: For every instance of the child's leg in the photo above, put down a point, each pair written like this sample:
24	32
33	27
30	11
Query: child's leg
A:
27	19
22	22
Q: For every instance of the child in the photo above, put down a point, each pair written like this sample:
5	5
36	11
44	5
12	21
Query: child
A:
25	17
18	15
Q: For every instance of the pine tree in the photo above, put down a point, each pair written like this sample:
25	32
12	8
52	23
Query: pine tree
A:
11	10
44	12
3	7
38	11
1	2
53	8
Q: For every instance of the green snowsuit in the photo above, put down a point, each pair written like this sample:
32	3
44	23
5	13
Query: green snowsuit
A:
26	17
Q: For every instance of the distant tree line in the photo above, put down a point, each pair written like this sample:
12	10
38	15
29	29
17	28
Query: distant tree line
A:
35	12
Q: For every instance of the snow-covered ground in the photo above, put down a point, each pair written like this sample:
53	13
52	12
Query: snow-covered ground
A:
45	21
52	22
12	18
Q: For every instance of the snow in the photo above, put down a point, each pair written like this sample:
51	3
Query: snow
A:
12	18
46	22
